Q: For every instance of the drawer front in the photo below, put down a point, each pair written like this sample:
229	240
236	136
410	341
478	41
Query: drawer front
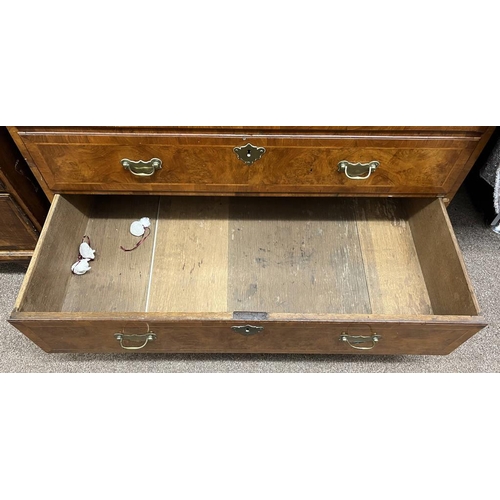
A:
17	233
407	162
100	335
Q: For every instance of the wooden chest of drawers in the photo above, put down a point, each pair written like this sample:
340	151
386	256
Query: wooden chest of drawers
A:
263	240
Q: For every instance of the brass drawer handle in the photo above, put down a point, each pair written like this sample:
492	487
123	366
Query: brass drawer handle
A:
247	329
146	337
357	171
142	168
352	340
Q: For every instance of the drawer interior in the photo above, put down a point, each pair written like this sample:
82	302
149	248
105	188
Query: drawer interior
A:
380	256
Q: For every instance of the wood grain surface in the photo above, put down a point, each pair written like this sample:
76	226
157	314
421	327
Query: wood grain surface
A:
344	256
339	266
319	267
23	150
91	132
425	336
441	261
17	233
395	281
18	180
300	256
118	280
191	258
413	161
44	286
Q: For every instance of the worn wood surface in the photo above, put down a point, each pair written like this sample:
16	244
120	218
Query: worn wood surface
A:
440	259
97	335
191	259
300	256
186	131
21	146
368	252
16	233
21	256
469	162
18	180
266	254
413	162
23	206
45	283
393	274
118	280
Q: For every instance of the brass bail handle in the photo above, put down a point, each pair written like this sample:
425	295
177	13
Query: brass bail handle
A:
144	338
142	168
357	171
353	340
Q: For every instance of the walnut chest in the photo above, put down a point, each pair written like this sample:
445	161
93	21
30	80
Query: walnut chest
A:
262	240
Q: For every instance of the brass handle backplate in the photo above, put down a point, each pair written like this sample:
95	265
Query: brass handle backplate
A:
357	171
249	153
144	338
247	329
354	340
142	168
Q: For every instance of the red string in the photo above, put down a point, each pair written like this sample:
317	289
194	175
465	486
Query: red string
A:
146	230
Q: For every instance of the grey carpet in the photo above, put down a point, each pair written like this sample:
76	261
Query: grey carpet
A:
481	249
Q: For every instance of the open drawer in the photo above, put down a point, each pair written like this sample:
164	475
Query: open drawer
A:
249	275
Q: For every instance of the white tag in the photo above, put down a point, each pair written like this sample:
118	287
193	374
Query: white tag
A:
136	228
86	252
81	267
145	221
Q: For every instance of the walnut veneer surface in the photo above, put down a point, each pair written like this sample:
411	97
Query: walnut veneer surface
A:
414	161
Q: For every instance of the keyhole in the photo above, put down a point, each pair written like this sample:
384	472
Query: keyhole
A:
247	330
249	153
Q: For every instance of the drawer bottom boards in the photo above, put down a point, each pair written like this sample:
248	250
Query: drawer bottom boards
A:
263	275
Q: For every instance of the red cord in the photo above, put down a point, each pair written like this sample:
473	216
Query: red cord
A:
146	229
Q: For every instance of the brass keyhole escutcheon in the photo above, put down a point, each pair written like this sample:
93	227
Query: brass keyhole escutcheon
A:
247	329
249	153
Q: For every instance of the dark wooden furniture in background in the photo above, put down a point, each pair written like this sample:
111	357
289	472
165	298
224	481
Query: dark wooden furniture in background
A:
23	204
275	251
